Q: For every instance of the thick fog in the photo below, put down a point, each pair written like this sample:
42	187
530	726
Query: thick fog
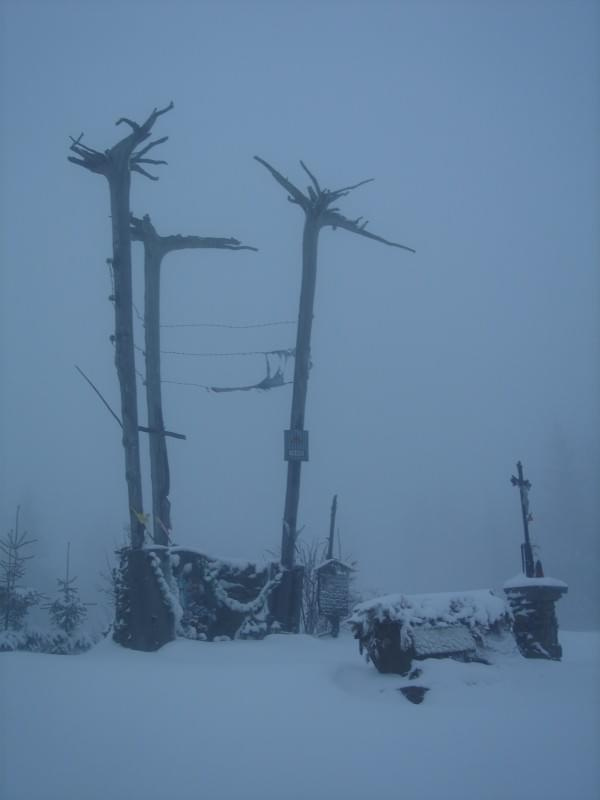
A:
432	373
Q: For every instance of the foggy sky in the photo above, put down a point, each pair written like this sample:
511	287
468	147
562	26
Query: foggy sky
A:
433	373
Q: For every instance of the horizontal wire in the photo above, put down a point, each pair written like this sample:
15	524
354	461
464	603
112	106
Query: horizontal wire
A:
140	316
284	351
212	388
226	325
226	355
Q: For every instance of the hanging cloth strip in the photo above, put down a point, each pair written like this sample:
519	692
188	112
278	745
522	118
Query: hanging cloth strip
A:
269	381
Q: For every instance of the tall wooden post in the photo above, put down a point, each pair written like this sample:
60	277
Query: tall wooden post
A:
316	205
300	386
332	527
116	164
156	248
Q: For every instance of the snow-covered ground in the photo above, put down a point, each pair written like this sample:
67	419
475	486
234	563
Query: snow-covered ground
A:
294	717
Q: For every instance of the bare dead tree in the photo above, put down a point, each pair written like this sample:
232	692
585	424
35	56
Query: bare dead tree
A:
116	164
156	248
319	212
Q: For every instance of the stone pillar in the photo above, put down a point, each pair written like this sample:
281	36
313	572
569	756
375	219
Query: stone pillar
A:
535	627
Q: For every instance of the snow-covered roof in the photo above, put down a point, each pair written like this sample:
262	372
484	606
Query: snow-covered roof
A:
481	608
522	580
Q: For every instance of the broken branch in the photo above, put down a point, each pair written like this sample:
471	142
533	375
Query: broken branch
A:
149	146
133	125
297	195
311	176
148	161
336	220
87	164
202	242
135	167
344	190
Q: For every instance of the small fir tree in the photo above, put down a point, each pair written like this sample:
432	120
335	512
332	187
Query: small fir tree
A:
15	600
67	612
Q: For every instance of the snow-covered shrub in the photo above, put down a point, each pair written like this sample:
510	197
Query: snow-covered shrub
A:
51	642
15	604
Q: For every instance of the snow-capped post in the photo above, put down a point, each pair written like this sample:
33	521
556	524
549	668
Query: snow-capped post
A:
116	164
531	595
526	549
316	204
156	248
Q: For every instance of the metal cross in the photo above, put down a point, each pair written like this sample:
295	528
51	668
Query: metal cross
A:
526	549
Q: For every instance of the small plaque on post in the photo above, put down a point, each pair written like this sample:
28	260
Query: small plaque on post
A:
295	445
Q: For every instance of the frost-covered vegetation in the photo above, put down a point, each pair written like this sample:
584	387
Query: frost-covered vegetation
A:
66	613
